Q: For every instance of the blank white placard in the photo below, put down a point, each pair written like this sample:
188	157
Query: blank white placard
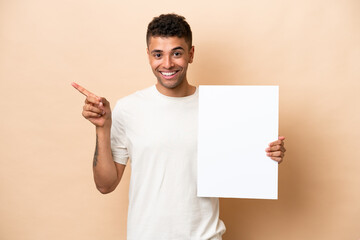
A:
236	125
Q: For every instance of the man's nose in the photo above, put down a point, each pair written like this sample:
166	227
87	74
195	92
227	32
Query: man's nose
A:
168	63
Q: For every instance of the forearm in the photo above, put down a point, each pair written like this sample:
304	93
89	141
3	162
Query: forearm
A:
105	172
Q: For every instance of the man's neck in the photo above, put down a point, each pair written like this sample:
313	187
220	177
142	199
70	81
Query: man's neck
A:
182	90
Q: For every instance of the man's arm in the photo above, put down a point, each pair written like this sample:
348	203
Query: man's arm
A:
107	173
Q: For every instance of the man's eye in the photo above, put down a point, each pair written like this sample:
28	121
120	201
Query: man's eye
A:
157	55
177	54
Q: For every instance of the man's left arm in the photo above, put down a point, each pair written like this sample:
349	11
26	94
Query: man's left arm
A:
276	150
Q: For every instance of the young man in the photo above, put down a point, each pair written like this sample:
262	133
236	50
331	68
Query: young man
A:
156	128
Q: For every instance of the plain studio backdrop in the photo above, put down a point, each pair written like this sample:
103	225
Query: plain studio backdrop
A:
311	49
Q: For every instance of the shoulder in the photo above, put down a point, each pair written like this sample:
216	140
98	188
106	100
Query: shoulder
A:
135	99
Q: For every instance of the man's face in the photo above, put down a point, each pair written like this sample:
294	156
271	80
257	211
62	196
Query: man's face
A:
169	58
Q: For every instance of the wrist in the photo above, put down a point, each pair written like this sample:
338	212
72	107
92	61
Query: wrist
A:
104	128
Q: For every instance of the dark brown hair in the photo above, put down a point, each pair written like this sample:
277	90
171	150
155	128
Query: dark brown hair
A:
169	25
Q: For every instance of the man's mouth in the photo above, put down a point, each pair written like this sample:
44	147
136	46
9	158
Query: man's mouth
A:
168	75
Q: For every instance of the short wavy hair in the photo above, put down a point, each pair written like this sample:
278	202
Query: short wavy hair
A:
169	25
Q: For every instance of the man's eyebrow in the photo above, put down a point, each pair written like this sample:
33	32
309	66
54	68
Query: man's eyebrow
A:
177	48
156	51
174	49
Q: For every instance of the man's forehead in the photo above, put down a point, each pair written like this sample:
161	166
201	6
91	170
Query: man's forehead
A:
167	43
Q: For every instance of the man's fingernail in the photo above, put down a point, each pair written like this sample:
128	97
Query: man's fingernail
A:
100	104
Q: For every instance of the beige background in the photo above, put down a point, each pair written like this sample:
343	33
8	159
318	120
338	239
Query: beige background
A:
310	48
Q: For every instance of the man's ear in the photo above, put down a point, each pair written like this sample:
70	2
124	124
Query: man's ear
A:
191	54
148	53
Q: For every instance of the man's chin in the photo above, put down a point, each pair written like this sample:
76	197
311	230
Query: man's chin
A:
169	84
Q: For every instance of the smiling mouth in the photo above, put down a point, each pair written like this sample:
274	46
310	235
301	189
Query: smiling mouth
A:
168	74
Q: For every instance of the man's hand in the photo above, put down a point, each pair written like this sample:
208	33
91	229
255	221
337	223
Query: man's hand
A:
96	109
276	150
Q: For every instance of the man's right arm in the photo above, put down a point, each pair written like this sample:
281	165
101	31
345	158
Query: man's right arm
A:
107	173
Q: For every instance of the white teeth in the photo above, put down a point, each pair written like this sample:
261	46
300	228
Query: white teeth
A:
168	73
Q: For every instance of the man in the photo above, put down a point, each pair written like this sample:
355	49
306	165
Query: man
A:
156	128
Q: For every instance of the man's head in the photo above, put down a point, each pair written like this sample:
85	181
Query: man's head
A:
170	51
169	25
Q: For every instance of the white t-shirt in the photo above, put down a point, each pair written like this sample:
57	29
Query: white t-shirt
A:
159	135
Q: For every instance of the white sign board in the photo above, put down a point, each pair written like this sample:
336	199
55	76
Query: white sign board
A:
236	125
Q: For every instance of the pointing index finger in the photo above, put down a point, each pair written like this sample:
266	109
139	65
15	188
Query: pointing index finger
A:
82	90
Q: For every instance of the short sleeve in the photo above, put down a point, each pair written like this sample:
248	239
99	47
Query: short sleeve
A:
118	137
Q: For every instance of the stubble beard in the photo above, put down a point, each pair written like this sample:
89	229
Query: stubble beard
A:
170	86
